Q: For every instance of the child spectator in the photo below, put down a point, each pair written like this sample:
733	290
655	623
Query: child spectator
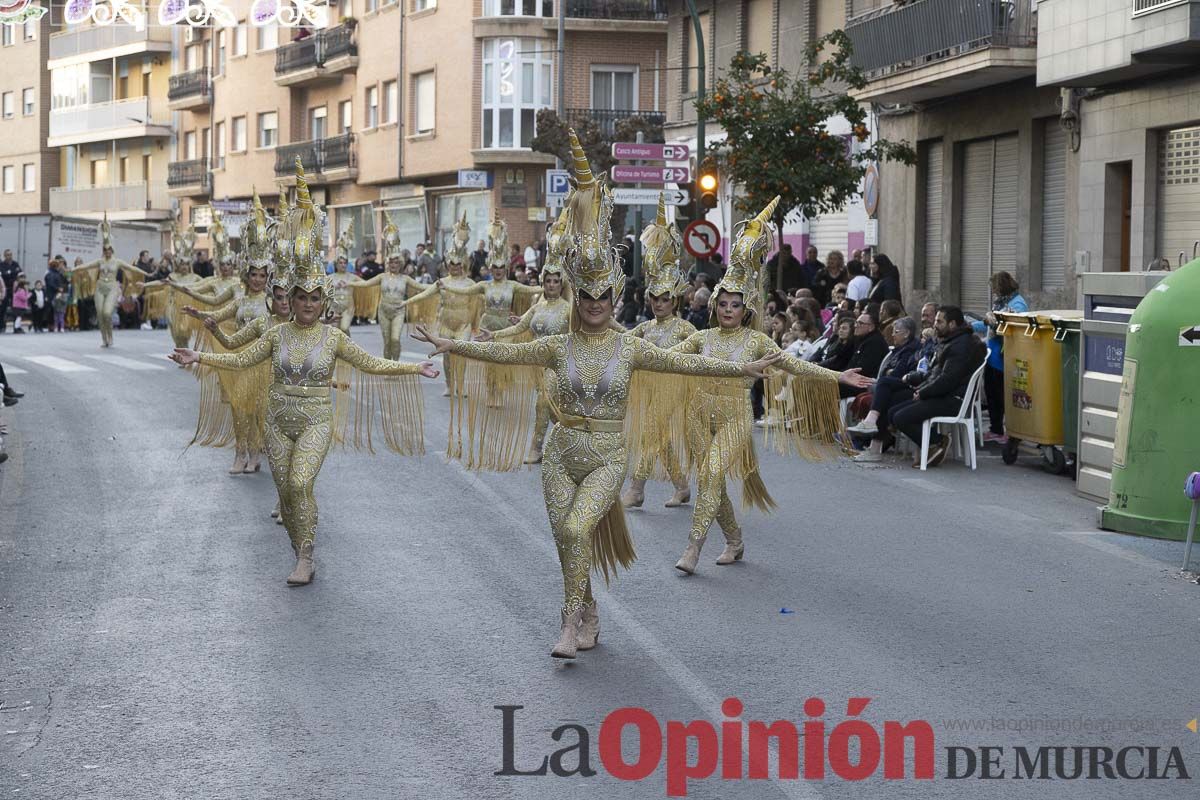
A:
20	304
39	307
59	304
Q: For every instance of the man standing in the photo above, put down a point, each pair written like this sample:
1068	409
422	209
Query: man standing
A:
368	267
9	270
203	266
427	264
478	261
811	266
784	262
531	257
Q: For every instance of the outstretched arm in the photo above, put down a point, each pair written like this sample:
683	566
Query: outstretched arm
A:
351	353
256	353
514	330
475	288
521	288
540	353
692	344
806	369
244	336
648	357
357	281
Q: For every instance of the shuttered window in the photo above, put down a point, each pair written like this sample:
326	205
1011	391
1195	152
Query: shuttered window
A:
931	158
1054	198
1178	193
828	232
989	219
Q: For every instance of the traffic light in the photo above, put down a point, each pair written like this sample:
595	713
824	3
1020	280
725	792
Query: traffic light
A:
707	183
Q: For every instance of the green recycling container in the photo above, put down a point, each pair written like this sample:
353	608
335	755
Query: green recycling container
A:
1157	441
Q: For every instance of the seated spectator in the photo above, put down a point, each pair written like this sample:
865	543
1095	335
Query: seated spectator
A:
889	312
839	294
859	285
899	362
936	394
800	339
837	352
698	311
779	326
869	351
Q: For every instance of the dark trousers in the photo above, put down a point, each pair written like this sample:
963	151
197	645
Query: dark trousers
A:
4	311
889	392
993	390
908	417
756	399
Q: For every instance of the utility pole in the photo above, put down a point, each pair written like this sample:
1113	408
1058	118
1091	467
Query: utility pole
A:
691	5
637	224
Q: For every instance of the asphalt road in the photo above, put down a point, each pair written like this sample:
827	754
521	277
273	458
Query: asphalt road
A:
152	650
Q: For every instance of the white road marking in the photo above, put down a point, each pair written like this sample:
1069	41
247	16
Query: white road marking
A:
60	364
925	484
128	363
15	371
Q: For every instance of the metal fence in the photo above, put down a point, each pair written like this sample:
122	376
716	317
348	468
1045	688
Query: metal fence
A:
315	50
119	197
80	40
187	84
188	173
900	38
77	120
606	119
618	9
318	155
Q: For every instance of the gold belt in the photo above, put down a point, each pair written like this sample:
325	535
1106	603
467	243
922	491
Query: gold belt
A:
301	391
590	424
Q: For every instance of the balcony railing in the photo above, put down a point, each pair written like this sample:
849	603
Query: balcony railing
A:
315	50
96	118
897	39
188	173
188	84
80	40
606	119
617	9
117	198
318	156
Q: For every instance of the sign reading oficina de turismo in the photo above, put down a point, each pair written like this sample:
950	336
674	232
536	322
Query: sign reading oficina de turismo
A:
196	13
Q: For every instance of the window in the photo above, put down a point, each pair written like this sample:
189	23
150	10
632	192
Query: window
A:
29	178
516	83
372	5
6	105
268	124
10	176
189	146
30	30
6	38
193	57
27	102
237	132
205	142
268	37
615	87
760	27
345	9
123	87
372	106
690	74
391	102
316	123
426	101
146	168
346	115
222	36
123	169
239	41
423	5
145	84
517	8
220	154
99	172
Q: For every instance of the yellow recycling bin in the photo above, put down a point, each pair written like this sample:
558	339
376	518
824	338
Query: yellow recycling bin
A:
1033	390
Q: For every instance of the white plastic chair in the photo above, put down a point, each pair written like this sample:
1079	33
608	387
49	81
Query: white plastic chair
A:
964	425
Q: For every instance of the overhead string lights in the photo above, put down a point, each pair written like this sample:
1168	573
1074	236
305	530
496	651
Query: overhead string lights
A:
193	13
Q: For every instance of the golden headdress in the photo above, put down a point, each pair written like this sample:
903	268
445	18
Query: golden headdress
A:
282	238
558	239
220	239
257	245
105	233
745	274
661	247
345	242
591	263
391	241
308	239
458	253
497	242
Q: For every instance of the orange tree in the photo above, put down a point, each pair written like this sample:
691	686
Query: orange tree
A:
777	140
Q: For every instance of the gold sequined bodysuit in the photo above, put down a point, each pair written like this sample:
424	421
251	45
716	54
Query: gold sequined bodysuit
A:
395	292
500	299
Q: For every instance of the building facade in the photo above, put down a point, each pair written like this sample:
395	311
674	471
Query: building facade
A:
387	105
27	166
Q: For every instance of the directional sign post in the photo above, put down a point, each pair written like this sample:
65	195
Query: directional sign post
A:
623	173
623	196
650	152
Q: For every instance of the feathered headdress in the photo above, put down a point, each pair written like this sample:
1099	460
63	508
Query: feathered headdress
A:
105	233
459	252
497	242
558	240
745	273
257	245
590	262
391	241
345	242
661	247
220	238
308	238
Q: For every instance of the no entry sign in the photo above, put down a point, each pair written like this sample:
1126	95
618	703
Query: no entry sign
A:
702	239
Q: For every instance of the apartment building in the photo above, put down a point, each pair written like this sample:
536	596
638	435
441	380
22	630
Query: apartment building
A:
388	103
108	121
994	185
781	29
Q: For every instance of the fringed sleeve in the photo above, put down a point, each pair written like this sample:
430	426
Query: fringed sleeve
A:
83	280
132	281
376	397
524	297
422	308
366	300
810	408
154	299
219	395
490	419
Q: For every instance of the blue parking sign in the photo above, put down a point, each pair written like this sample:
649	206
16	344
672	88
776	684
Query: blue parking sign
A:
556	181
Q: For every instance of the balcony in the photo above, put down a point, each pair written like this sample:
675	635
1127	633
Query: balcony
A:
322	58
106	41
189	178
127	201
325	160
617	9
1081	43
98	122
606	119
938	48
190	90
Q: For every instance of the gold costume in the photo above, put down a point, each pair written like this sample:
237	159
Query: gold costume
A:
501	299
394	297
98	279
665	334
546	318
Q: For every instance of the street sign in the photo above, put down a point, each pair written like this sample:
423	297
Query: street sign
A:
624	196
1190	337
231	206
557	182
650	152
627	174
702	239
475	178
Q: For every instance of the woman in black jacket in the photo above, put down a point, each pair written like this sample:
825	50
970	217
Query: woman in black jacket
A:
838	350
885	277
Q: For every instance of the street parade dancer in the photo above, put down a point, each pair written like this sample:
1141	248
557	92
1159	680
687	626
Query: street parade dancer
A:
99	279
396	292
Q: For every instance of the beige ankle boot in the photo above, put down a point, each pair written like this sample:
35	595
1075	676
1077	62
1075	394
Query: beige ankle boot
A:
734	548
305	569
535	456
683	494
589	629
568	639
275	511
635	495
239	464
691	555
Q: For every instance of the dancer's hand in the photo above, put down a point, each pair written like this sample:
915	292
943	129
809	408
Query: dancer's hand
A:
758	369
484	336
184	357
855	379
440	343
192	311
210	323
513	319
428	370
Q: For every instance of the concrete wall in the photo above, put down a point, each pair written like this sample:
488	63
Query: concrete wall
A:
23	138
